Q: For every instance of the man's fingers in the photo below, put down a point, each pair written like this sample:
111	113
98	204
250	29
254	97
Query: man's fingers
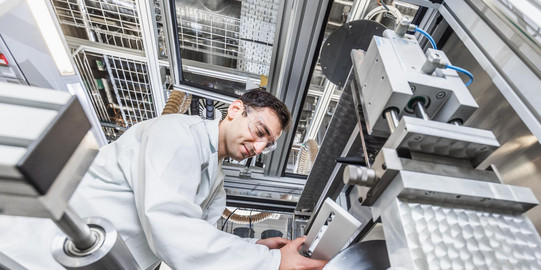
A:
297	243
282	241
314	264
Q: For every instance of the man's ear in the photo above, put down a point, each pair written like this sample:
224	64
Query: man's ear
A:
235	109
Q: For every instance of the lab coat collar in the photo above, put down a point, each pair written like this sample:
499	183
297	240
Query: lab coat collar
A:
212	130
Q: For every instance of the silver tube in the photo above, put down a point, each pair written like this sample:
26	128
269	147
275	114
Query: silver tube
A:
419	110
456	122
392	119
76	229
109	253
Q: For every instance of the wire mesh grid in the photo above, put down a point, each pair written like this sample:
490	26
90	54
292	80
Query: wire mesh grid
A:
226	36
100	94
68	12
113	22
132	88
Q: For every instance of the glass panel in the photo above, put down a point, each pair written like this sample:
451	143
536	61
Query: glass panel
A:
226	37
323	95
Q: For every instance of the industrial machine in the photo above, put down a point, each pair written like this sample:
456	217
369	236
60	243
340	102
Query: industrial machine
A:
56	130
430	113
432	186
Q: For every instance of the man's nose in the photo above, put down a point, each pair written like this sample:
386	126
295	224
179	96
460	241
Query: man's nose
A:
259	147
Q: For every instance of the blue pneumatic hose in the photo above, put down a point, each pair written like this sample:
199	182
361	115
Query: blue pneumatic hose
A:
459	69
417	29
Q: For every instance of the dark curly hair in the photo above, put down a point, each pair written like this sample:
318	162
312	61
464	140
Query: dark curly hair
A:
258	98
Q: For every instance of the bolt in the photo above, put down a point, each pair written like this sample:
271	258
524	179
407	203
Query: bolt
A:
485	199
440	95
429	193
412	87
418	138
331	217
483	149
360	199
384	166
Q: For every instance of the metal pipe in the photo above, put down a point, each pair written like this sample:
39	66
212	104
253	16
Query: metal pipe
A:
391	115
76	229
419	109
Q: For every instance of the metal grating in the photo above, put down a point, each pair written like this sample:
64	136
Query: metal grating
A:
118	89
132	88
113	22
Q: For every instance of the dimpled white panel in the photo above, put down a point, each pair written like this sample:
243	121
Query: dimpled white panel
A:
454	238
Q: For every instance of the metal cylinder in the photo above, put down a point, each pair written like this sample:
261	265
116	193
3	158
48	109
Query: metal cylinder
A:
358	175
76	229
391	115
108	252
456	122
419	109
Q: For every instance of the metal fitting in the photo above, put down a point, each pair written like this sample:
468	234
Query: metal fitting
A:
403	27
433	60
358	175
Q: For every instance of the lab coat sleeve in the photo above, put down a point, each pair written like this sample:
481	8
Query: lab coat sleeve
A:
217	206
164	183
216	209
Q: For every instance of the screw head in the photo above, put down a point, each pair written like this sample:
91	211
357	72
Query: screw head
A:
440	95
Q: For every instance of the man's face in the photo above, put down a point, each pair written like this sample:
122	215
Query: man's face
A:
252	133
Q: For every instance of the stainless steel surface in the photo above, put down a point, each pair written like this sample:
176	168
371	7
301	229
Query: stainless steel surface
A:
427	236
6	263
455	191
332	229
255	183
392	119
431	137
76	229
359	175
419	110
53	204
491	42
362	256
519	157
111	254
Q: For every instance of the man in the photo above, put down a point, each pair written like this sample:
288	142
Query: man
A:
161	184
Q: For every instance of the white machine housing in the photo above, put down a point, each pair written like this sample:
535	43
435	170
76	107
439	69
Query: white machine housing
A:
390	76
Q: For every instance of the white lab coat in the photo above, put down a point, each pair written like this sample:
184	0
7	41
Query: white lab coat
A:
161	185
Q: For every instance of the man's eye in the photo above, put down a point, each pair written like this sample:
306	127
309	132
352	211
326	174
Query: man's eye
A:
260	133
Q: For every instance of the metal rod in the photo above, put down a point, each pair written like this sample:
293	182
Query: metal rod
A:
76	229
391	116
456	122
419	109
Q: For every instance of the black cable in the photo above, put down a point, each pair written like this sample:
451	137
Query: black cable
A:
250	218
225	222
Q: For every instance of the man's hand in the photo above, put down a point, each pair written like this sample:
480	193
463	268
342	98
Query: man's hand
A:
273	242
291	259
